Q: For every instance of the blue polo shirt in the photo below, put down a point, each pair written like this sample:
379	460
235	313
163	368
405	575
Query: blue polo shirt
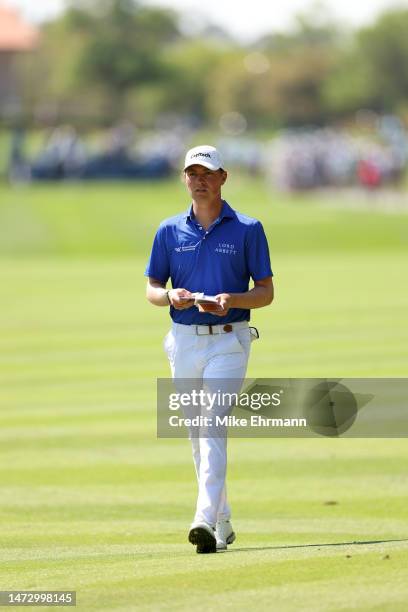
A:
221	259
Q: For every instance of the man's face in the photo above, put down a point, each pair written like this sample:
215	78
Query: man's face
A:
204	184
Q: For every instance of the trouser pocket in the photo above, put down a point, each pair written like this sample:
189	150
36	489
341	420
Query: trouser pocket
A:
168	343
243	336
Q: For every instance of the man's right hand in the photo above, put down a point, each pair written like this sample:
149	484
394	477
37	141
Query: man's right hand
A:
180	304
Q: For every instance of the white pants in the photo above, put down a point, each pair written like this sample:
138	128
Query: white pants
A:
207	359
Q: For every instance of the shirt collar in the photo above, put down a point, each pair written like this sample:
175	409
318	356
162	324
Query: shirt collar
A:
226	212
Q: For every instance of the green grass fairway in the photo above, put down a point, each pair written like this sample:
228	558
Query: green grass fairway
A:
92	501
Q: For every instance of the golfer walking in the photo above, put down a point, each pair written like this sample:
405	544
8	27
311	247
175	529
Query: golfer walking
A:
215	250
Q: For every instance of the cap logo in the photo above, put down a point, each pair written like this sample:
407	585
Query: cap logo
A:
202	155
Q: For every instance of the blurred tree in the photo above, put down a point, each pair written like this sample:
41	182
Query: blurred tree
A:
124	45
285	90
182	88
50	75
99	50
296	81
373	71
105	59
314	27
191	65
280	80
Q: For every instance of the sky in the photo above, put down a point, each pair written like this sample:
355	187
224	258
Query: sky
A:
246	21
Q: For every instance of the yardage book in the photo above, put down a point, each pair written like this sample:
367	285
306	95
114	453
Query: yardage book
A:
201	298
208	303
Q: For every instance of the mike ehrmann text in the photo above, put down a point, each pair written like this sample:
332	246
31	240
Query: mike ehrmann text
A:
256	420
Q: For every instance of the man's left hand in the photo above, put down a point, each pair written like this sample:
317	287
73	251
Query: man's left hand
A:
225	302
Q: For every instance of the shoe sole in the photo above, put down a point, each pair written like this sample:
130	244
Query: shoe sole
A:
231	538
205	542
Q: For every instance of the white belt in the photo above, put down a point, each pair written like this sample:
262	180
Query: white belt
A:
208	330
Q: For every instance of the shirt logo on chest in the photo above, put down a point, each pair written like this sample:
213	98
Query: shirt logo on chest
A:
227	248
186	247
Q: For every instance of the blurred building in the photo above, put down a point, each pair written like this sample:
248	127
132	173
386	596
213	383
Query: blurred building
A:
16	37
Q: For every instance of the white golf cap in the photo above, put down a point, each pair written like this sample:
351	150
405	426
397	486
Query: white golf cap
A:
204	155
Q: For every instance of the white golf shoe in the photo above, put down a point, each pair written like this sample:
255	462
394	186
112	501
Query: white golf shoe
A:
203	535
224	534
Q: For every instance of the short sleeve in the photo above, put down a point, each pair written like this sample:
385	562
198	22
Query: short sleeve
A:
257	250
158	266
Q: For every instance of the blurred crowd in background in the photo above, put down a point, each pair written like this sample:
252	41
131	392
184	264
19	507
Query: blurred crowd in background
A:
65	155
293	160
311	159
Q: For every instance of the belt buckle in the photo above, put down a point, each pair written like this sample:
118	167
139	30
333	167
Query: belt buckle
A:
221	329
